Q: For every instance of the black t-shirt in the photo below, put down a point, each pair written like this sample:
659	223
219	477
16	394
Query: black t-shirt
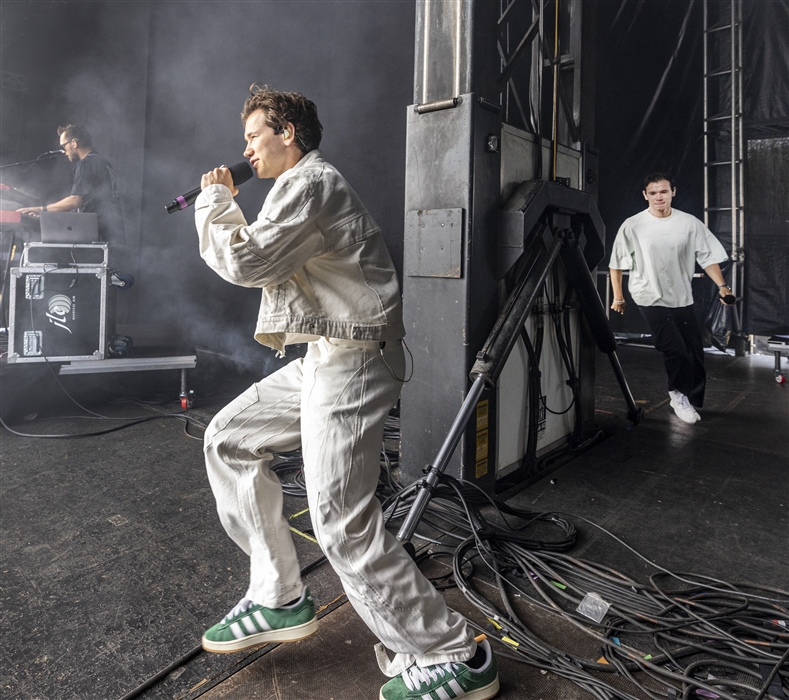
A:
94	181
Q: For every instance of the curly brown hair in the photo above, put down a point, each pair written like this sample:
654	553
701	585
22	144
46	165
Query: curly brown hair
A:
280	108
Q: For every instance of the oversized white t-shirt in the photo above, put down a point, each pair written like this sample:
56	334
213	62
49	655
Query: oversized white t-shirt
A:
661	254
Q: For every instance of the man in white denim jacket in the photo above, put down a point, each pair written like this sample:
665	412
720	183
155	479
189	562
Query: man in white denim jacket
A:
327	280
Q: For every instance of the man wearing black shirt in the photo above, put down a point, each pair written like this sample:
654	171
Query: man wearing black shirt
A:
94	189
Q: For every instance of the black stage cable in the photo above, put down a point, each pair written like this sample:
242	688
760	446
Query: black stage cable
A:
776	670
129	420
512	632
69	436
558	312
153	680
671	573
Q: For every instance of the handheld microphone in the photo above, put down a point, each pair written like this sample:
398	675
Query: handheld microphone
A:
240	172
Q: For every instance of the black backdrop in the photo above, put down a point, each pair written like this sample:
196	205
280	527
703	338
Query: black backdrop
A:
648	104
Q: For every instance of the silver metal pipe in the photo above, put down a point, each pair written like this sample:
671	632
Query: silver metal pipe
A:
458	62
426	57
741	165
733	138
706	124
438	105
555	115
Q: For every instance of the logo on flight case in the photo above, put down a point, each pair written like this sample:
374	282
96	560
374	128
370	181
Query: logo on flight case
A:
60	307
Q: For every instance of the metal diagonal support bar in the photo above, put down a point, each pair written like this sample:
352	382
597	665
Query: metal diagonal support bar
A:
519	52
594	312
568	110
493	356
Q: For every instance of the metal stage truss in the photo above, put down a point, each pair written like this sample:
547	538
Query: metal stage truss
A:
724	145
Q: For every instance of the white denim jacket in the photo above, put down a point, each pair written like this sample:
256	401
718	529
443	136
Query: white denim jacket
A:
315	251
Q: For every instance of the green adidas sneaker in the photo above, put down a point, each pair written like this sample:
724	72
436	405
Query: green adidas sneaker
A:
446	681
249	625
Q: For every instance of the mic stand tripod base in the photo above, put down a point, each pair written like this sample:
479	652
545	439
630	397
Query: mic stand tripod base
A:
427	486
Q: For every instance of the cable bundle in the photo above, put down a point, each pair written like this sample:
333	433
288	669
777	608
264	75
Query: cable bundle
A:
709	639
289	468
679	636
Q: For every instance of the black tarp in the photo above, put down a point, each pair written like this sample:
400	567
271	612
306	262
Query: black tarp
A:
766	68
648	106
767	237
766	107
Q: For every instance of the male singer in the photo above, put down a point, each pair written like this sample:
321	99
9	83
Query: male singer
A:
326	279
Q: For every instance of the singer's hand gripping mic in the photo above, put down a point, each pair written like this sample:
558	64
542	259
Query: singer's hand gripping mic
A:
240	172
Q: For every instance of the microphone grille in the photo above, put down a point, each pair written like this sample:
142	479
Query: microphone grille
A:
241	172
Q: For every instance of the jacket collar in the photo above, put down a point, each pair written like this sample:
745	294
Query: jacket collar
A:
308	159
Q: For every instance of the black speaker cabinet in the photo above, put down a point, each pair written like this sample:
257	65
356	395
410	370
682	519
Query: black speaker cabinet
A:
58	313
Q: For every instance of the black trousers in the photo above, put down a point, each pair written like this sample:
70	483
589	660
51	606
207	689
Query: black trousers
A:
677	335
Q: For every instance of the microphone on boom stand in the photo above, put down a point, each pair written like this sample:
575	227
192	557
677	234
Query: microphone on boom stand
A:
240	172
43	156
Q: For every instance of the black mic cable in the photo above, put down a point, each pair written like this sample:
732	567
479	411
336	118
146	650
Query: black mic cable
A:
240	172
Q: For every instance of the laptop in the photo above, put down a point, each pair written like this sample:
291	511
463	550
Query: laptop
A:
69	227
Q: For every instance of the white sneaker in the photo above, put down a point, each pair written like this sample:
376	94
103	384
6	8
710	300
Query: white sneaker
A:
682	407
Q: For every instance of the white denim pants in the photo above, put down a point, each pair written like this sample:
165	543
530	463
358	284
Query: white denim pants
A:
333	404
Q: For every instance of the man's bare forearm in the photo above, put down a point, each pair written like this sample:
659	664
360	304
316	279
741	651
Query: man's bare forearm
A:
70	203
618	304
714	273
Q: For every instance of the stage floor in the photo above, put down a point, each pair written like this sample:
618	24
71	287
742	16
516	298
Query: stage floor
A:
114	561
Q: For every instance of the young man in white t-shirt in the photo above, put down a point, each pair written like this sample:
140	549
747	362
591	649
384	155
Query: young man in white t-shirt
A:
660	246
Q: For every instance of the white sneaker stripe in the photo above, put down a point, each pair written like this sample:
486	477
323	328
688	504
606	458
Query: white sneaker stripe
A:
443	694
249	626
238	633
428	696
456	688
262	623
